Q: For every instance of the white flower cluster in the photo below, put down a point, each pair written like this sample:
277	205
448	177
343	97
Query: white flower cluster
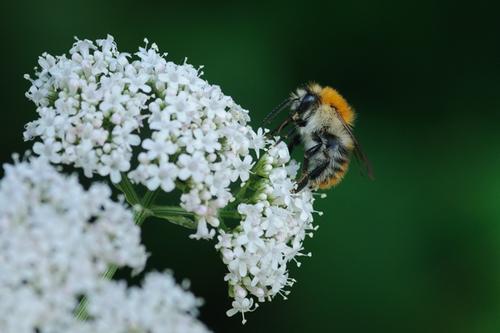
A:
57	240
90	108
270	235
158	306
199	138
92	104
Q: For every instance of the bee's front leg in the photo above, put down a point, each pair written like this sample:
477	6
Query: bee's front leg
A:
290	132
281	126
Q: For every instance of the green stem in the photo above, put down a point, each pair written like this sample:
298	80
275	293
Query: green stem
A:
169	210
174	210
249	183
128	189
181	217
242	191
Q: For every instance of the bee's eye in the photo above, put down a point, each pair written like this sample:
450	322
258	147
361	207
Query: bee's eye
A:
307	101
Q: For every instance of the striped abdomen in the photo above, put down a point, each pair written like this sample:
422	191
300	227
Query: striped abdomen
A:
339	163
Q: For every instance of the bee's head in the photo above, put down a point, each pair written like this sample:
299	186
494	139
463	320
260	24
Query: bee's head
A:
313	96
303	99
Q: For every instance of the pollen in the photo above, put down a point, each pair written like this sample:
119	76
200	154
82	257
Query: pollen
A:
332	97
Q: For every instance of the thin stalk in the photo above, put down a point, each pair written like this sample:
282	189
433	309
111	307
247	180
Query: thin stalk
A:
181	217
128	189
169	210
176	211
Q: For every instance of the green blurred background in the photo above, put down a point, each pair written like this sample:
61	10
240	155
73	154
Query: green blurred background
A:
416	250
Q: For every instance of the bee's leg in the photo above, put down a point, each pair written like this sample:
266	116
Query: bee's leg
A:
313	150
294	141
284	124
308	154
305	165
302	183
290	132
280	127
315	173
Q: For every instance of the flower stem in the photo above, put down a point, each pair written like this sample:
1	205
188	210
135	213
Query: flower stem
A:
169	210
160	211
128	190
181	217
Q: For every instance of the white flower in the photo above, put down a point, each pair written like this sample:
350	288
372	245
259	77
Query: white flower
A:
113	165
208	142
258	142
242	168
251	237
159	305
194	166
136	80
57	240
202	230
48	149
162	176
159	148
241	304
114	100
108	114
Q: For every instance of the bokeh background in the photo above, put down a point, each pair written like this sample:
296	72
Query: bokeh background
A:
416	250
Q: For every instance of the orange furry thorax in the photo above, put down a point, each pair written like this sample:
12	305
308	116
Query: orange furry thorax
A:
330	96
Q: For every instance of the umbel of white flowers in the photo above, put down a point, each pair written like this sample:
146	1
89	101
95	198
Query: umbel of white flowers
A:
56	242
145	121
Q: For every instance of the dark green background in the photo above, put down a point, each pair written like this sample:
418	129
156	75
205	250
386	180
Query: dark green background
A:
418	249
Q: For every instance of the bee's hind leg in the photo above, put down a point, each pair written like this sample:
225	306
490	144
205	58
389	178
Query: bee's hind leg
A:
310	176
304	180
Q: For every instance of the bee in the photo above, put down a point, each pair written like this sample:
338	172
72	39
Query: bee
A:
323	122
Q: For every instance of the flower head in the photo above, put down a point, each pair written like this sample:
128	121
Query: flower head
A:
159	305
90	110
275	222
99	107
56	240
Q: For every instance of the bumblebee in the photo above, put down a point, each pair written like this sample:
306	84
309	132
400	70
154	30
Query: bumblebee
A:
322	121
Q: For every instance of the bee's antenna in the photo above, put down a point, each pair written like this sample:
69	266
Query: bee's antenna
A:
276	111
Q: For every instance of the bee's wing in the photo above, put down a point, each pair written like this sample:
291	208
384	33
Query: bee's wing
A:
358	152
